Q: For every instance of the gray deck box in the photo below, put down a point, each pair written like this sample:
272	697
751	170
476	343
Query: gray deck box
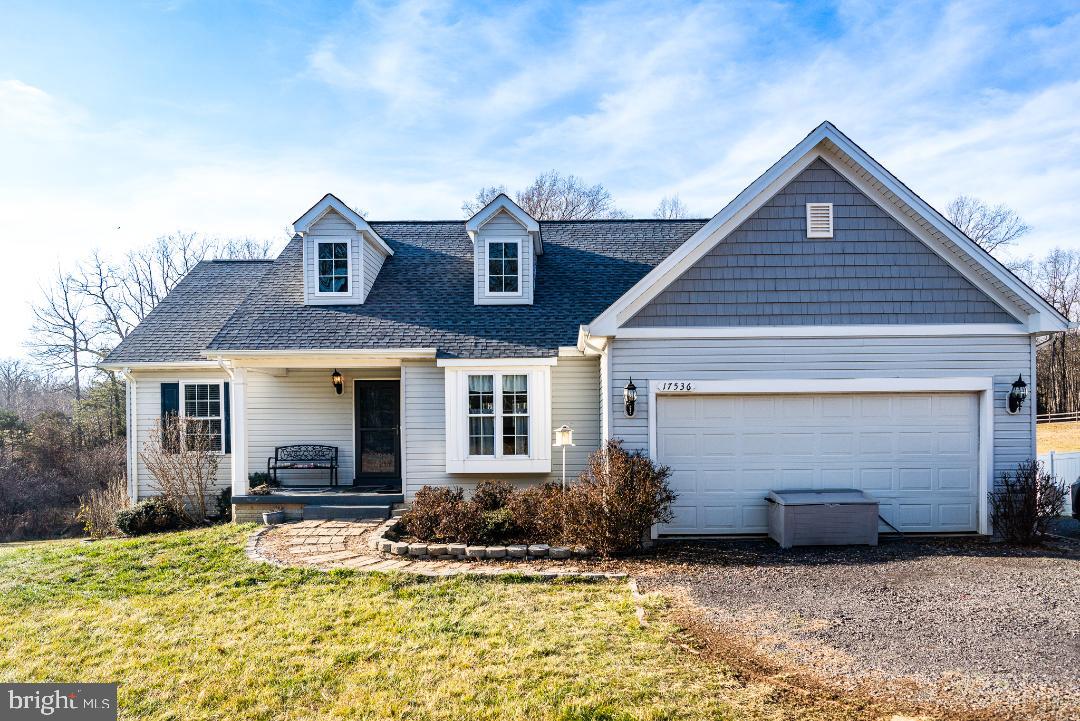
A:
830	517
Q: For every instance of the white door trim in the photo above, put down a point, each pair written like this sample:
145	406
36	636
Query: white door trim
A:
984	386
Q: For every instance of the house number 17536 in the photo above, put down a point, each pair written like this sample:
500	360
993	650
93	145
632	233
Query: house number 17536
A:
669	386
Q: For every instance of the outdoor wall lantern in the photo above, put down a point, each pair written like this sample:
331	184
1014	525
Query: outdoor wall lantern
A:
629	396
338	381
1018	394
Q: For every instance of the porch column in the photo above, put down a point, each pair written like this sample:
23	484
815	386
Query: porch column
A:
238	391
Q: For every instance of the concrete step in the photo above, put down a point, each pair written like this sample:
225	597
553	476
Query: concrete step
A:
347	513
398	510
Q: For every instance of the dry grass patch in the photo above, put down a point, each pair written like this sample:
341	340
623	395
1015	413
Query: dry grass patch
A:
193	630
1059	437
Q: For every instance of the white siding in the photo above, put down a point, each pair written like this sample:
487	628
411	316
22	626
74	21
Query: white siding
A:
373	261
503	225
1002	357
147	413
575	391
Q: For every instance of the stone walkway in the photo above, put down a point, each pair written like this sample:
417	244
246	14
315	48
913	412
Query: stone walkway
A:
327	545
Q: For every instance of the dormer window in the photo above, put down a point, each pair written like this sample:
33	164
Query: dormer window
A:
333	266
504	267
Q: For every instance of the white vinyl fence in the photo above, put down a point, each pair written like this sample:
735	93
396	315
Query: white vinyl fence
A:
1065	467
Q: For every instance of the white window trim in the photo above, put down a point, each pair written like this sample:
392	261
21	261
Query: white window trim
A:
456	387
983	386
498	416
348	265
182	410
487	259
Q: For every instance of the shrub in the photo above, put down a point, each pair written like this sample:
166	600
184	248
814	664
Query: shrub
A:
261	478
492	495
149	516
539	513
498	527
618	498
224	505
1023	504
184	465
430	507
98	509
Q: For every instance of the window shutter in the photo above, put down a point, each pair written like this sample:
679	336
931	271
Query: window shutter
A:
170	408
819	220
226	421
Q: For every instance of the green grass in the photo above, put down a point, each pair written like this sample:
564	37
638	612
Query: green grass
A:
193	630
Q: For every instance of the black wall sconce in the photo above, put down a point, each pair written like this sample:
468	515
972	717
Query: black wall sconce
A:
338	381
1018	394
629	396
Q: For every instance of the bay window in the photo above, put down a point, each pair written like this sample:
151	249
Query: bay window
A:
497	417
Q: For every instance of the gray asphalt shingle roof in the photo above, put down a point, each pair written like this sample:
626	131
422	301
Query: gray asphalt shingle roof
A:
423	296
185	322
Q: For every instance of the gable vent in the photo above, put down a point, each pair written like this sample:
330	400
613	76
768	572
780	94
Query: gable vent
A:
819	222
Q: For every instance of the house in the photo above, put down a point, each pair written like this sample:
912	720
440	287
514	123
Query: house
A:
827	328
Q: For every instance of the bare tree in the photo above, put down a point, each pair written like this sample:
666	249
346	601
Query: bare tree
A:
554	197
63	331
248	248
1057	278
993	228
671	207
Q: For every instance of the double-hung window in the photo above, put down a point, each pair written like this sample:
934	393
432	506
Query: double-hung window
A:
504	267
498	415
332	269
201	406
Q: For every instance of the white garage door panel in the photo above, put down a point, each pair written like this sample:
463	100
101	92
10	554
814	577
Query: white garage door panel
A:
918	453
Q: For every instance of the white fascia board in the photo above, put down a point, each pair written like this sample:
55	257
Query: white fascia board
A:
494	362
771	182
825	331
332	202
503	203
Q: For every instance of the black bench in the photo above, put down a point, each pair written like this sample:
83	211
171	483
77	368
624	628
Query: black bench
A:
304	457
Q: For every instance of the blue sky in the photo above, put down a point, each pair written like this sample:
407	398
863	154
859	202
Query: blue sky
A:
123	121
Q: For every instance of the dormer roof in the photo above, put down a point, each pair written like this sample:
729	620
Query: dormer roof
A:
332	202
503	203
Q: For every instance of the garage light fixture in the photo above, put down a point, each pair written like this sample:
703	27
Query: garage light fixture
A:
1018	394
629	396
338	381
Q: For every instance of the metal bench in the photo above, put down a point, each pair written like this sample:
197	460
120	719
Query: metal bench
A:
304	457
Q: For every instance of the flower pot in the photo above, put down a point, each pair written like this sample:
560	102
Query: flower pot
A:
273	517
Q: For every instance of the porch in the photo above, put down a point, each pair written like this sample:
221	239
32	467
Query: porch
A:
317	502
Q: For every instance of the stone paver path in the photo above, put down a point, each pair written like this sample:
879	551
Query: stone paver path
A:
328	545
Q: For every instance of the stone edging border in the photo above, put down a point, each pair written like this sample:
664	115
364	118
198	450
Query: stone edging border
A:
461	552
422	566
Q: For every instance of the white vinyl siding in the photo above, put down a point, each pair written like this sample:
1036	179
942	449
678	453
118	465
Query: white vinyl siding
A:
373	262
147	412
575	396
1000	357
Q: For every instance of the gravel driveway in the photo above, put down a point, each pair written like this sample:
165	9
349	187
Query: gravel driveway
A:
964	623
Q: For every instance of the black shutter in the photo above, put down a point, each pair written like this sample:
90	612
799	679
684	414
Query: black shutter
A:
226	421
170	409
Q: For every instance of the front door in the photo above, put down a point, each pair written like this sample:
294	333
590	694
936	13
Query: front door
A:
378	434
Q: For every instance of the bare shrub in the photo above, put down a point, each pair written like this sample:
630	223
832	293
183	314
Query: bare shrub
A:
1023	504
492	495
539	512
99	507
184	465
618	498
442	514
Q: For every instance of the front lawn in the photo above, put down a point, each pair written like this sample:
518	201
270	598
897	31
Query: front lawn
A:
193	630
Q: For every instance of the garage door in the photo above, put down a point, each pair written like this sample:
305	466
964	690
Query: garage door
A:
918	453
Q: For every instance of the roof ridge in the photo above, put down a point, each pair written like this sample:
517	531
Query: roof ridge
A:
581	220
